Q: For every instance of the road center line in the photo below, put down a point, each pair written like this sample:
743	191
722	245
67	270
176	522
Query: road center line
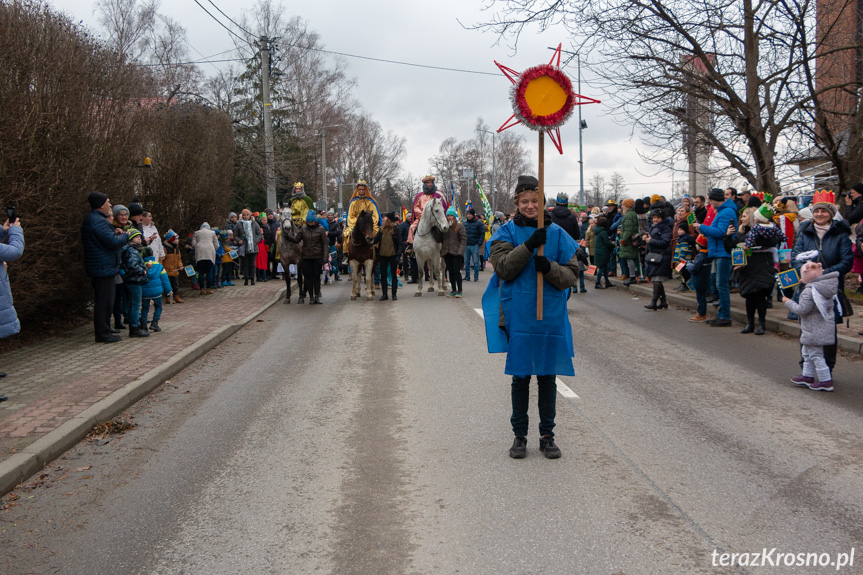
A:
562	388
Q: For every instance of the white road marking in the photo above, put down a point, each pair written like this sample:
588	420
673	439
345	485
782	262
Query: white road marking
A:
562	388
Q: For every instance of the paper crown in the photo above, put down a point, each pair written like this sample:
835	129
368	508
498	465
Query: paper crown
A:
766	212
824	197
765	198
361	183
299	185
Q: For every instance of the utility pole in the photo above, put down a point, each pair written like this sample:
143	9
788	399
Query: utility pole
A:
322	203
269	170
581	126
493	195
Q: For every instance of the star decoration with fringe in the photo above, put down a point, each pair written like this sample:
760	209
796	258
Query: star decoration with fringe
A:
542	98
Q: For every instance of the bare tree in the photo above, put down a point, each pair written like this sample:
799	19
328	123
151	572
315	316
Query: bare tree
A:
596	187
617	187
753	63
366	152
128	24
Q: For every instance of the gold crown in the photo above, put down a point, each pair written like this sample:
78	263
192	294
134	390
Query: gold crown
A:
299	185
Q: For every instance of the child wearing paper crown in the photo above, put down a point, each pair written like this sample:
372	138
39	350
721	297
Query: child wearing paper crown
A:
817	323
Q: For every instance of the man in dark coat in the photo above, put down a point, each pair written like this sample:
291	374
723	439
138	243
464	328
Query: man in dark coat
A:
700	209
475	230
561	215
409	263
854	204
102	247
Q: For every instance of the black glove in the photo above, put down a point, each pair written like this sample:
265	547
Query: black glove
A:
543	265
537	239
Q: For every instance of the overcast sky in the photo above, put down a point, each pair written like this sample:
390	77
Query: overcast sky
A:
427	106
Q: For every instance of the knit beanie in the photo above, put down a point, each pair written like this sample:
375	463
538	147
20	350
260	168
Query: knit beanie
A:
526	183
97	200
134	232
451	212
716	194
135	210
118	208
628	203
310	216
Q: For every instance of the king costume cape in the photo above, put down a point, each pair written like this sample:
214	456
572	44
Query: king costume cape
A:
300	205
360	204
532	347
420	201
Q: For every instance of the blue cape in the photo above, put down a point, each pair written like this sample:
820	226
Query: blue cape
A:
532	347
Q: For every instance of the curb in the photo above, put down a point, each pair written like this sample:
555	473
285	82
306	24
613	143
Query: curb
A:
791	328
22	465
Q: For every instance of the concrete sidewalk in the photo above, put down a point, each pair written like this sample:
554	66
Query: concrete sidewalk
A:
60	388
777	317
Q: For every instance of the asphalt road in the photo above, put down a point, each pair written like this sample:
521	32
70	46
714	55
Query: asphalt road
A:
371	437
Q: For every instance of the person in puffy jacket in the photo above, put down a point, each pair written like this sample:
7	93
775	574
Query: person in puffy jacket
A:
102	262
658	242
452	251
316	247
135	277
157	286
11	249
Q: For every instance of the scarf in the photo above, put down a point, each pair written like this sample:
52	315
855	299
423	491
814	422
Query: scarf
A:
298	195
821	230
520	220
429	189
247	228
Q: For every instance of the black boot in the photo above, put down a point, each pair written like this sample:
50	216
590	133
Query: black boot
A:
154	326
394	295
749	327
384	297
663	303
118	324
652	304
761	327
136	331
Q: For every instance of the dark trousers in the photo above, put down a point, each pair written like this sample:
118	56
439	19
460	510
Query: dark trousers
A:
757	302
119	302
205	279
391	263
227	271
453	268
247	266
104	290
175	284
546	404
271	262
602	271
312	269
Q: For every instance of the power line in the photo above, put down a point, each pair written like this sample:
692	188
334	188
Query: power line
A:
219	22
231	19
196	62
395	61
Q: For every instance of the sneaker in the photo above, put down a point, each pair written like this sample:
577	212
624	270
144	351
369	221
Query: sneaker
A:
548	448
519	448
458	294
719	322
821	386
698	318
451	294
802	381
582	290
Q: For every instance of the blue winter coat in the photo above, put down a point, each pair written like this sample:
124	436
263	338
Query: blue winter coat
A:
101	246
538	347
157	280
10	251
475	231
726	215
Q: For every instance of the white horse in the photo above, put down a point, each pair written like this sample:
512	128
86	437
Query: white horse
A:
427	248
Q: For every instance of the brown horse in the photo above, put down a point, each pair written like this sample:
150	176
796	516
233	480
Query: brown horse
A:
361	252
289	245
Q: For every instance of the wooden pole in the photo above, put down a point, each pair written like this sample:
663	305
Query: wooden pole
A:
540	220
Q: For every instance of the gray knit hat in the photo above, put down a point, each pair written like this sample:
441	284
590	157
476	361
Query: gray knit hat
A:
119	208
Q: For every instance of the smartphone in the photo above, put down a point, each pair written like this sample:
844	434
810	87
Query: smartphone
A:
11	214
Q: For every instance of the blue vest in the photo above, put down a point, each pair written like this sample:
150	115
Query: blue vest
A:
532	347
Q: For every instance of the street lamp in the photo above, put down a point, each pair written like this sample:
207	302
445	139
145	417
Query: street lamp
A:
492	170
582	125
322	203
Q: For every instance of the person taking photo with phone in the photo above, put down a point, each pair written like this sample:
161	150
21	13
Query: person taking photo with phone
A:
11	249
